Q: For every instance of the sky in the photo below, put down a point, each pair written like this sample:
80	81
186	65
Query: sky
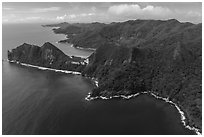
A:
49	12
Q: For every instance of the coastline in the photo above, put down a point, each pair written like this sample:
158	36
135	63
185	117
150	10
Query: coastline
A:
67	37
184	119
72	45
44	68
80	48
92	49
155	95
95	81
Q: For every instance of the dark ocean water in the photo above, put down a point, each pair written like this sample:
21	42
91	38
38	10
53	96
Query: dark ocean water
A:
45	102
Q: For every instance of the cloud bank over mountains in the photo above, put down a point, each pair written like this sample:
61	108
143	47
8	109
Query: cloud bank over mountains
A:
135	9
101	12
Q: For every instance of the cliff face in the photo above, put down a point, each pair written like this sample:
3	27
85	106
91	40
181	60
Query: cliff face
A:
106	58
46	56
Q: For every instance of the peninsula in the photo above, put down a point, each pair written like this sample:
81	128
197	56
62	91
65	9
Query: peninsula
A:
160	56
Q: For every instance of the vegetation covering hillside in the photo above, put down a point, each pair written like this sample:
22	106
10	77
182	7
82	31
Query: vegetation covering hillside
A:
164	57
130	33
46	56
168	63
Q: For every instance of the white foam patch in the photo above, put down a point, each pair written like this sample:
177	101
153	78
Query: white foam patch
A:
75	63
86	60
85	48
95	81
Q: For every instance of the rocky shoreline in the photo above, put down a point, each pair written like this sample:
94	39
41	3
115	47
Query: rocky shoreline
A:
81	48
77	47
66	40
184	119
44	68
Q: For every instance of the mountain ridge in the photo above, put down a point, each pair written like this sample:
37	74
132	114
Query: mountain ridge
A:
132	31
47	56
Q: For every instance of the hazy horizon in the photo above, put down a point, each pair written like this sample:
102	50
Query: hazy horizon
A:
104	12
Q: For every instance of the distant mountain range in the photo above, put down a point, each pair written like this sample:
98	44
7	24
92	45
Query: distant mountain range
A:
142	55
132	33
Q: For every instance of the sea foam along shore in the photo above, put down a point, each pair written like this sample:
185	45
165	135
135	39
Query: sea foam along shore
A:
80	48
85	48
44	68
183	118
94	80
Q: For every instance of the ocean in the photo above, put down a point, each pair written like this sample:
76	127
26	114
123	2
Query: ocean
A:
45	102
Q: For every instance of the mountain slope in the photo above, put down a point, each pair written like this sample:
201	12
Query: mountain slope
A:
46	56
131	33
168	64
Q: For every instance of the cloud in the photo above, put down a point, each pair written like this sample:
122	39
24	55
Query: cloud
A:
193	14
5	20
28	19
188	15
86	14
135	9
61	17
32	18
7	8
40	10
93	9
74	16
8	17
65	16
102	12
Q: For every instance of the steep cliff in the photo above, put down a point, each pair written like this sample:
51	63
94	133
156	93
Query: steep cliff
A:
46	56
